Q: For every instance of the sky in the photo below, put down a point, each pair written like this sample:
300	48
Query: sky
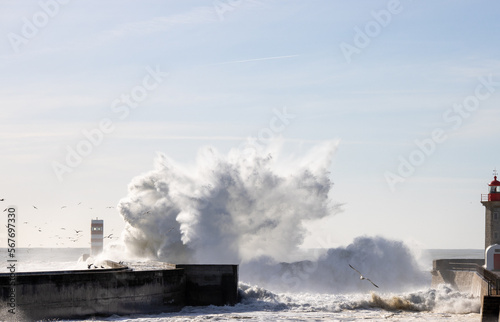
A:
91	92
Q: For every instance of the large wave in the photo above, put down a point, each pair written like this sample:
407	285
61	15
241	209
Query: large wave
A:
250	209
388	263
227	208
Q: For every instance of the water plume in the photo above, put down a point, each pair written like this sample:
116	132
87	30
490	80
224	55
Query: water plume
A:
227	208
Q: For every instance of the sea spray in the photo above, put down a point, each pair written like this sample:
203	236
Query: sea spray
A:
227	208
388	263
249	209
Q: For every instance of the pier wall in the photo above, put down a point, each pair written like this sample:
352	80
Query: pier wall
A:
211	284
73	294
461	274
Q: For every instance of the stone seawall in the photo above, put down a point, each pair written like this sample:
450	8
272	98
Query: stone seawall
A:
120	290
460	274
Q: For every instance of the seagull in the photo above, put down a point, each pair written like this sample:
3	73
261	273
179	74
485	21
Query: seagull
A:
35	207
109	236
63	207
2	199
361	277
77	231
110	207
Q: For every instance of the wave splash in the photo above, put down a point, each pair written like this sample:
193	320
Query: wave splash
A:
388	263
250	209
440	300
227	208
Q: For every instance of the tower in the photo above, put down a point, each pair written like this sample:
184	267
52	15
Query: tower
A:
96	236
491	202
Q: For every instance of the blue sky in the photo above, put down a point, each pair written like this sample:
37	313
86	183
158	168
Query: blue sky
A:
222	70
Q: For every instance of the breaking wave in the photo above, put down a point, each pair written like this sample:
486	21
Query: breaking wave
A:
249	208
441	300
227	208
388	263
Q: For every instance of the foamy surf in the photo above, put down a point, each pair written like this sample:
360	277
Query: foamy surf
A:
259	304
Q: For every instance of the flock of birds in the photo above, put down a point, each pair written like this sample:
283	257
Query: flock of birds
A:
61	237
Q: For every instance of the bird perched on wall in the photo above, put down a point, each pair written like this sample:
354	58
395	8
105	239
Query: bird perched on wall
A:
361	277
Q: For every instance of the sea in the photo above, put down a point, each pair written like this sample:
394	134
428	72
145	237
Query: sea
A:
270	302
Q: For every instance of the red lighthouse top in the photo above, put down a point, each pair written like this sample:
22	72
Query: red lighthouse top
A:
494	193
494	183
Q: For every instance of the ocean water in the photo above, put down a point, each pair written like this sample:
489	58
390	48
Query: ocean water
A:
298	299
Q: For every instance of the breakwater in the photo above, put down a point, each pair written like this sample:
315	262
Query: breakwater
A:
116	289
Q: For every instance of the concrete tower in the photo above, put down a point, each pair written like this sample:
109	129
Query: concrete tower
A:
96	236
491	202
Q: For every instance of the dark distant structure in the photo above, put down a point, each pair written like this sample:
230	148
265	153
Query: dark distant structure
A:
96	236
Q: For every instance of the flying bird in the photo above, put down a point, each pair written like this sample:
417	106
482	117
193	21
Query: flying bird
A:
361	277
77	231
35	207
2	199
109	236
63	207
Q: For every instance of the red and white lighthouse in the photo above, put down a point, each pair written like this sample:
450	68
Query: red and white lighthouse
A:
491	202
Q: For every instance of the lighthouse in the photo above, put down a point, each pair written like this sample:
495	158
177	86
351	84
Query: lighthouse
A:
491	203
96	236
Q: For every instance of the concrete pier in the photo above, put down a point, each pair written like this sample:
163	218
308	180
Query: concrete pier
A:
119	290
211	284
469	275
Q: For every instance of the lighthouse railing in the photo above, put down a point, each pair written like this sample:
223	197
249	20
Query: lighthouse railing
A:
485	197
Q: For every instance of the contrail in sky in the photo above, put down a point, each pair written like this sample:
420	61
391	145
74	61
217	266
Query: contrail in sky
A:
254	59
